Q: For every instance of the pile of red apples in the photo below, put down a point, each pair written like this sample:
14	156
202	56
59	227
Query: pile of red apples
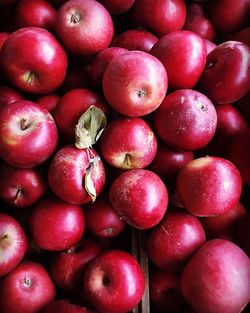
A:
120	116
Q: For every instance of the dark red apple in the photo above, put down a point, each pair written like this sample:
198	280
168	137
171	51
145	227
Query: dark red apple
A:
135	84
217	278
186	120
64	306
71	106
135	39
165	291
56	225
225	78
117	6
171	244
229	15
67	267
13	243
9	95
183	53
209	186
168	162
128	143
28	134
21	187
160	16
3	37
76	175
101	219
28	288
49	102
101	62
114	282
139	197
38	13
243	36
85	27
33	60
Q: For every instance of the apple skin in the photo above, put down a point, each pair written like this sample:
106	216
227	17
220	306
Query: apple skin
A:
71	106
28	134
21	187
135	39
56	225
68	170
171	244
165	291
186	120
239	152
117	6
108	280
67	267
128	143
49	102
28	288
13	243
139	197
209	186
225	78
28	57
101	219
209	45
226	272
84	27
3	37
161	17
9	95
168	162
229	16
183	53
243	36
224	226
63	306
135	84
38	13
101	62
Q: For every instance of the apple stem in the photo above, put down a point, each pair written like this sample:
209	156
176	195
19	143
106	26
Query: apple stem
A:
18	193
27	281
3	237
75	18
127	160
23	123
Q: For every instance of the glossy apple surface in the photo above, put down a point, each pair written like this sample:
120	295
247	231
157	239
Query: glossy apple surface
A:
135	83
108	282
33	60
209	186
226	272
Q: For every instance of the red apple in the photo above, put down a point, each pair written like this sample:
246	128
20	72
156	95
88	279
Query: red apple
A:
85	27
21	187
171	244
168	162
33	60
135	39
63	306
56	225
67	267
48	102
209	45
229	15
71	106
76	175
28	288
101	219
3	37
13	243
117	6
186	120
114	282
139	197
28	134
101	62
165	291
9	95
209	186
38	13
217	278
225	78
159	16
243	36
128	143
183	53
135	83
